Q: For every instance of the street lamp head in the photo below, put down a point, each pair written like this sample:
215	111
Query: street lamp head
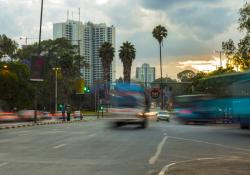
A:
56	68
5	66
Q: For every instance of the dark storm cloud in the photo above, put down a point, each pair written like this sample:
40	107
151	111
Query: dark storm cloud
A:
172	46
205	22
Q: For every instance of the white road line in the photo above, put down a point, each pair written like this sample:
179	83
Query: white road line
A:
92	135
211	143
206	158
3	164
23	134
166	167
59	146
153	159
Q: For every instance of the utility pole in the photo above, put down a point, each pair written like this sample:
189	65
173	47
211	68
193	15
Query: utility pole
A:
39	53
40	28
56	69
220	52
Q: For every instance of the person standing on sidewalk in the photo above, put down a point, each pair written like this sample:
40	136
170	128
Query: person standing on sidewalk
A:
68	112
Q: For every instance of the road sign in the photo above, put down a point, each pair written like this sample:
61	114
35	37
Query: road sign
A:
155	93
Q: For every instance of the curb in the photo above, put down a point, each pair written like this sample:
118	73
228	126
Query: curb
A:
44	123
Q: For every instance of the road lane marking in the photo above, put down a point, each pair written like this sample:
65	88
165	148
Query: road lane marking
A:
3	164
24	134
165	169
5	140
92	135
211	143
206	158
59	146
153	159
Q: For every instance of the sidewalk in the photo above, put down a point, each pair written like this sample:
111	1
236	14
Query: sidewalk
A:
44	122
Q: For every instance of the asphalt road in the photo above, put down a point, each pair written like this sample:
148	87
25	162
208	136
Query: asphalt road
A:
95	148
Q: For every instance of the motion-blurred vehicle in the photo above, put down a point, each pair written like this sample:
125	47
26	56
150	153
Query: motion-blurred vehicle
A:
28	115
77	114
199	108
163	115
129	104
46	115
8	117
233	98
58	115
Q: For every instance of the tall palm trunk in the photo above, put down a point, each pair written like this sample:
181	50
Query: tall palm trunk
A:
161	85
106	80
127	72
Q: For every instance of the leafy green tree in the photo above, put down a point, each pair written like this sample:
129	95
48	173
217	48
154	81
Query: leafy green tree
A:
244	51
238	62
8	47
15	88
57	53
229	49
244	19
106	53
127	54
186	75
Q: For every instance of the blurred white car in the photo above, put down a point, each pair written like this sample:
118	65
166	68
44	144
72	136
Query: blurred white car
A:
163	115
77	114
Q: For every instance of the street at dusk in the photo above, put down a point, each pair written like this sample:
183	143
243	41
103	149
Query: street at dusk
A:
124	87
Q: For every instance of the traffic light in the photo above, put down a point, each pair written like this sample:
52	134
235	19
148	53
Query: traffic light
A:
86	89
60	106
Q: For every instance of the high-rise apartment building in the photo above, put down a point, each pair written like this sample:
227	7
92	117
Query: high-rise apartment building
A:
90	36
145	74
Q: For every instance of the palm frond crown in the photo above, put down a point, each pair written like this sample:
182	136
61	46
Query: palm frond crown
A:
159	33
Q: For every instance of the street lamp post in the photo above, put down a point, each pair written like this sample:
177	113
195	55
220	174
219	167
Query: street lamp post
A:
220	52
56	69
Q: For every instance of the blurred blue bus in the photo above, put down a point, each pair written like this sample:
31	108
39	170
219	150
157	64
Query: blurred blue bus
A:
228	100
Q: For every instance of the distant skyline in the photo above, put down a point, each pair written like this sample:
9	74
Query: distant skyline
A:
195	28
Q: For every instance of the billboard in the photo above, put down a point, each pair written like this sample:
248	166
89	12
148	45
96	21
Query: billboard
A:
37	68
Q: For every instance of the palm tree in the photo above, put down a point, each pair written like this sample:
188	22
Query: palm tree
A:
106	53
127	55
159	33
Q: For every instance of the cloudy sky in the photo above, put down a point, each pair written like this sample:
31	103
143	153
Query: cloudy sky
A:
196	28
